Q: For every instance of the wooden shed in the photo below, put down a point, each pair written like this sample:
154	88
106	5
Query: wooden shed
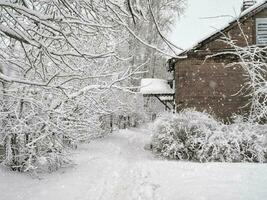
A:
206	84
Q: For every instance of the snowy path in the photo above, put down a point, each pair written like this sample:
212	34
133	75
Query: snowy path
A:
118	168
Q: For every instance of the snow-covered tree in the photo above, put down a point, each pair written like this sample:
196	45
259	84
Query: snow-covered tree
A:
160	17
252	59
59	61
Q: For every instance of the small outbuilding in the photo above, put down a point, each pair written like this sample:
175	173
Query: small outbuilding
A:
159	88
207	84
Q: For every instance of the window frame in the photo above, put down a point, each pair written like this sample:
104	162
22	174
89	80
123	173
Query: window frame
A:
257	22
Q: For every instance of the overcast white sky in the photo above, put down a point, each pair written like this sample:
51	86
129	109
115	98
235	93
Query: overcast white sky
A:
191	28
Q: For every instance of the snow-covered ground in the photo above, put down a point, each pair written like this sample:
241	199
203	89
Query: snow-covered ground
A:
118	168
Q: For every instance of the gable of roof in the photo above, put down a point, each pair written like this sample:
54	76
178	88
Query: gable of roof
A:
250	12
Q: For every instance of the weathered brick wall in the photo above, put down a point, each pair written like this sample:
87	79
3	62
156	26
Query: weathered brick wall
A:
236	35
210	85
242	38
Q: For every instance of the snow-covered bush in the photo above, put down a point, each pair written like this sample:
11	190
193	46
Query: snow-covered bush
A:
196	136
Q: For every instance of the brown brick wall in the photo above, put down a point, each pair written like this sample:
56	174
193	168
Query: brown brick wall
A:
210	85
234	34
242	38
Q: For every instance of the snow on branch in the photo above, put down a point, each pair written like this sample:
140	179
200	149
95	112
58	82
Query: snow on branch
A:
252	59
65	65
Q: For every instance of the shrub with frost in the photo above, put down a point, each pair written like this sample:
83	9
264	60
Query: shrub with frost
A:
195	136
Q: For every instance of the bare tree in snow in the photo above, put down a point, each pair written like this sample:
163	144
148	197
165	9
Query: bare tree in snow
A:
160	17
59	60
252	59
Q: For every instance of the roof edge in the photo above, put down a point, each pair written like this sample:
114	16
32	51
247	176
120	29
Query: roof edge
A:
242	17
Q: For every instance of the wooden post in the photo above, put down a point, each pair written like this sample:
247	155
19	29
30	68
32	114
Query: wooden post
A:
111	123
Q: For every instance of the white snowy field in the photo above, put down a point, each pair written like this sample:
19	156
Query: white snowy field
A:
118	168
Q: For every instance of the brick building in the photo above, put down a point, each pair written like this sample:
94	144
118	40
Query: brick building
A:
206	84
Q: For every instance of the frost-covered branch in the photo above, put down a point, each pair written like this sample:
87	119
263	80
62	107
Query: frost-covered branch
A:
252	59
64	65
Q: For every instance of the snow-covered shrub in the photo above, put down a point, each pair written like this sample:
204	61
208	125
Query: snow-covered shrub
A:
196	136
32	129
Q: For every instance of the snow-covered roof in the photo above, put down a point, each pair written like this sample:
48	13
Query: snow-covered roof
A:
261	4
155	86
167	98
